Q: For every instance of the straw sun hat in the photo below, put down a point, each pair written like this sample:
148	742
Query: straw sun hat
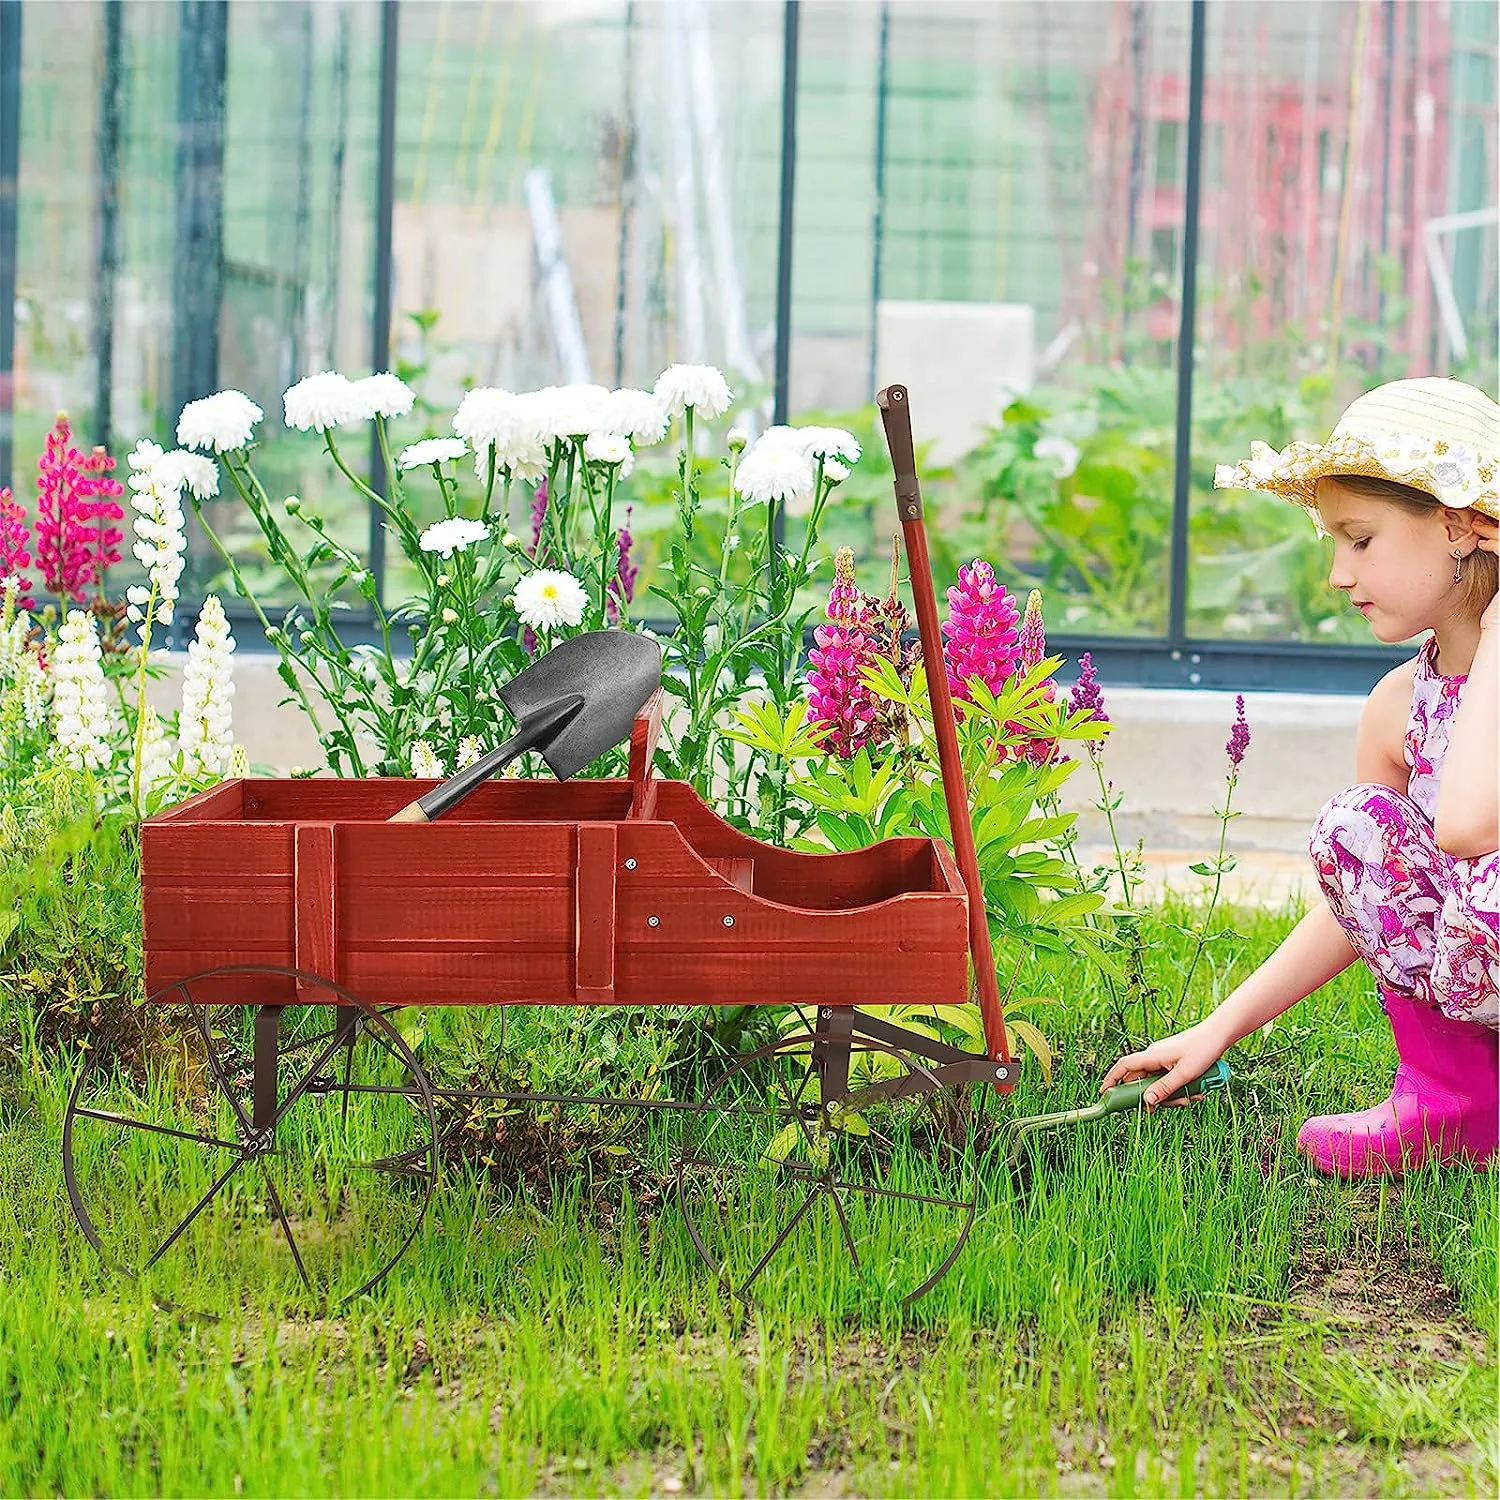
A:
1438	436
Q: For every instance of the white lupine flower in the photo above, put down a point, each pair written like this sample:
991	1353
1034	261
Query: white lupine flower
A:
700	386
239	763
774	471
637	415
206	731
224	422
156	753
448	537
424	761
610	448
550	598
81	717
155	485
323	401
385	395
469	750
13	645
1064	455
29	682
431	451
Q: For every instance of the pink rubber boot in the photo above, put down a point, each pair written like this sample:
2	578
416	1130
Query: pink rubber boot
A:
1444	1104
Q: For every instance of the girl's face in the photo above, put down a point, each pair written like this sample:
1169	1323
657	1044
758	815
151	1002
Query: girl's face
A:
1396	565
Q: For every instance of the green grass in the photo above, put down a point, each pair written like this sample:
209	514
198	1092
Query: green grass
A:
1168	1306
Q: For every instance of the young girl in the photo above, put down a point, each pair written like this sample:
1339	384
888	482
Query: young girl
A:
1408	487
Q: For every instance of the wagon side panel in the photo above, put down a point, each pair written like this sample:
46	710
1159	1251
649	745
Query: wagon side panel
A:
713	941
214	894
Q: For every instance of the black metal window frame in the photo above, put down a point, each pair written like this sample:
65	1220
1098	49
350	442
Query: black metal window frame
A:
1173	659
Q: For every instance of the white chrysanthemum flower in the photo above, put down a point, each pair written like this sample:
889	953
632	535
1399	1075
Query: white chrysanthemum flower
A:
610	448
447	537
834	472
549	599
191	471
224	422
815	442
156	753
385	395
425	763
700	386
469	750
155	485
774	471
81	716
570	412
206	730
637	415
1063	455
323	401
431	451
737	439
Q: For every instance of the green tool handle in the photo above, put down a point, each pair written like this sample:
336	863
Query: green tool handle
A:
1129	1095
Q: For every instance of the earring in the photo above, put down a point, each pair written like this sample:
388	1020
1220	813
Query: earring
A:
1458	566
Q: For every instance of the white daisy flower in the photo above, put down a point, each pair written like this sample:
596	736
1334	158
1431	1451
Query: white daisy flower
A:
637	415
815	442
224	422
385	395
431	451
549	599
700	386
454	535
424	761
81	714
206	731
323	401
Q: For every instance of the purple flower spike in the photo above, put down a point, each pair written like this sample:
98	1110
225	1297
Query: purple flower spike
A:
1087	696
622	585
1239	735
538	515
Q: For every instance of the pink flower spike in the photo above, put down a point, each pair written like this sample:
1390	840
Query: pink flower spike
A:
982	640
75	498
838	698
15	535
1033	641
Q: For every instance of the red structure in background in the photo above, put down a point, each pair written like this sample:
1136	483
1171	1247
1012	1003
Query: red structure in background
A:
1307	181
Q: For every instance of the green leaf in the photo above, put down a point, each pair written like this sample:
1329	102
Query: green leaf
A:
1025	1032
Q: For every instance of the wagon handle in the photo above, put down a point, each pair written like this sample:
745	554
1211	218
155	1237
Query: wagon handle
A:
895	414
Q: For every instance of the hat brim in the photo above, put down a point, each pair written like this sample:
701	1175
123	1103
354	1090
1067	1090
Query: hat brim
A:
1452	474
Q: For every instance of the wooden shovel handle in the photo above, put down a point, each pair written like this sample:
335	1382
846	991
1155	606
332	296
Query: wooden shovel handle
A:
896	417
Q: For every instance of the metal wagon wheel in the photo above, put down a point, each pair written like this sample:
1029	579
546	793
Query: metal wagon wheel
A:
783	1173
260	1149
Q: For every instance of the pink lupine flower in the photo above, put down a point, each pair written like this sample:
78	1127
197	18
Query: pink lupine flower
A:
982	640
75	497
15	556
838	699
1032	646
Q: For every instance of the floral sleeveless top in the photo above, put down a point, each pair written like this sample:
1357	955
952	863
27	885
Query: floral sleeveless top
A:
1434	702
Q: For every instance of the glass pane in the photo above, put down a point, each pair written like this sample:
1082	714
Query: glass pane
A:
1365	130
1014	260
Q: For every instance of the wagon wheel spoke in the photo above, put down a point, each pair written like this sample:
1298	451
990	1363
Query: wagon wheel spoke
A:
780	1239
286	1228
198	1208
875	1191
109	1117
843	1218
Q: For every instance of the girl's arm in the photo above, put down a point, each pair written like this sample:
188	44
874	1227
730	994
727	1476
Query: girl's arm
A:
1468	807
1313	952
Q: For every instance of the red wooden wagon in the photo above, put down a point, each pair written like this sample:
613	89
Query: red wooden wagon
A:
299	931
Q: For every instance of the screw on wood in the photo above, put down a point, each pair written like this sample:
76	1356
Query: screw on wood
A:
653	921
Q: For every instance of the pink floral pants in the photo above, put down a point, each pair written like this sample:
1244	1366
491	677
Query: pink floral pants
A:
1424	922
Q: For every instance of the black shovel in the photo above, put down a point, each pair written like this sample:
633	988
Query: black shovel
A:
575	703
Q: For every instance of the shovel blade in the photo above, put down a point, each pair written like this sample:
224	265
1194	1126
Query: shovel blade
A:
614	671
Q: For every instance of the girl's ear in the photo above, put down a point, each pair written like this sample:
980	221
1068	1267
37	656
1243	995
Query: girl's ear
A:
1459	524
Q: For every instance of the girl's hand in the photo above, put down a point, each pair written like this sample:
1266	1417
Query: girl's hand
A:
1182	1058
